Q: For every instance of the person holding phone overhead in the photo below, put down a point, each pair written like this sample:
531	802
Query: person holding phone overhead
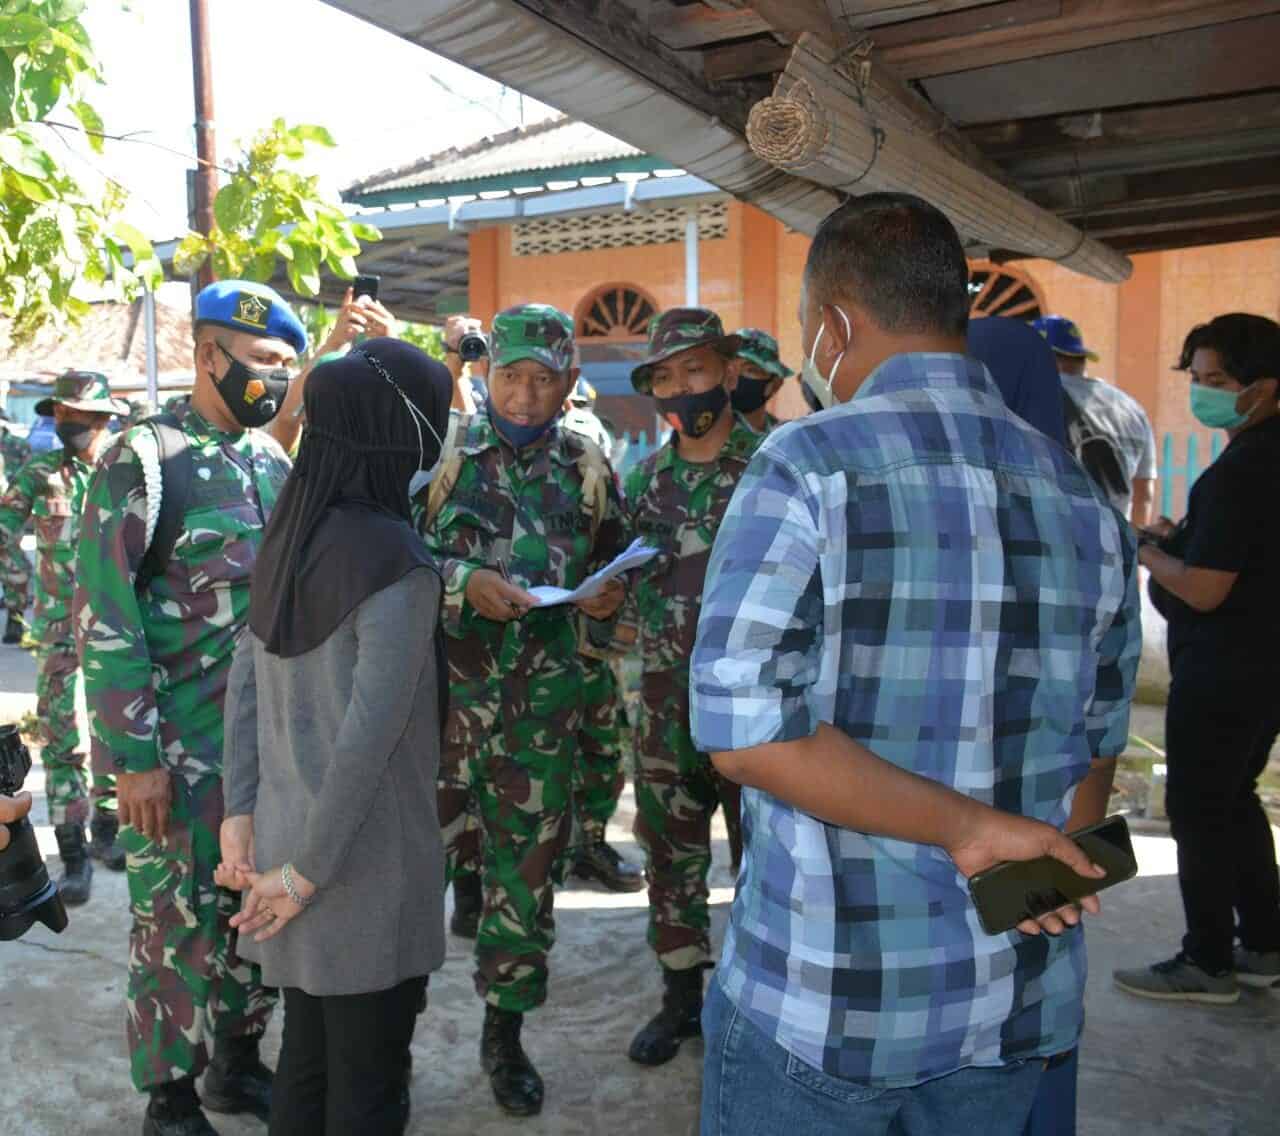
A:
1213	577
333	725
919	631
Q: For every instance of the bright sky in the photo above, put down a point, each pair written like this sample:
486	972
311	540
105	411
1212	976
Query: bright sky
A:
385	101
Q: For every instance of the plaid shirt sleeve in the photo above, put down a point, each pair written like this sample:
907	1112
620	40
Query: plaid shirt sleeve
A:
759	646
1107	716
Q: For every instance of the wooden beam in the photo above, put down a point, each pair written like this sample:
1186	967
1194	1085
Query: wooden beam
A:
1005	141
968	22
1082	24
792	18
696	25
872	13
1192	237
1224	59
742	60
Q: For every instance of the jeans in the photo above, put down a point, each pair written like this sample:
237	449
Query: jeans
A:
344	1062
751	1086
1053	1113
1219	734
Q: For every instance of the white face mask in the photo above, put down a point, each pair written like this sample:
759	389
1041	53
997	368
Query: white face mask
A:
823	388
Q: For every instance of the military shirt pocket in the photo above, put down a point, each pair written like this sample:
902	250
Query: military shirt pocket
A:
218	542
468	528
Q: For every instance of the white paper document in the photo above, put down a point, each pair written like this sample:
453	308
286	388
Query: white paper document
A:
638	553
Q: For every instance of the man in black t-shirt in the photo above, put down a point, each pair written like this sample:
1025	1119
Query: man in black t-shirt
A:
1216	578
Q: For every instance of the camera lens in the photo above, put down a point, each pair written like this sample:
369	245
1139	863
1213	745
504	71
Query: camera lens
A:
26	892
472	346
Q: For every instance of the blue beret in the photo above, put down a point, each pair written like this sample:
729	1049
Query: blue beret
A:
242	305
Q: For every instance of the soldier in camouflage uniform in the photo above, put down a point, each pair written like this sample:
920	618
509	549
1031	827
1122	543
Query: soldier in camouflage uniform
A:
156	657
675	500
518	502
15	570
761	376
50	488
598	778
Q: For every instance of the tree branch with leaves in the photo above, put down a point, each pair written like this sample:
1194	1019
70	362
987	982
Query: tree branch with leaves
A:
268	211
55	237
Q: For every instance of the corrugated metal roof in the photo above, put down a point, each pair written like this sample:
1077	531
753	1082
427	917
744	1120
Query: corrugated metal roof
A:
543	147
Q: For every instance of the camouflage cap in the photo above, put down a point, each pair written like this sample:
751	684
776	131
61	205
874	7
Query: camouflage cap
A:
760	348
82	390
532	331
681	329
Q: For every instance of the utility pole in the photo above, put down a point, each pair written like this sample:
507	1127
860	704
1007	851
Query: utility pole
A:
206	175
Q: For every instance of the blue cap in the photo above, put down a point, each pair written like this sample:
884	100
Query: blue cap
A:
242	305
1063	336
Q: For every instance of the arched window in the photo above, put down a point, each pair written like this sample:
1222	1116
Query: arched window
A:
1001	290
615	311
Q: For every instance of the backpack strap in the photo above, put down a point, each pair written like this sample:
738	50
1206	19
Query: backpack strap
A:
176	471
450	470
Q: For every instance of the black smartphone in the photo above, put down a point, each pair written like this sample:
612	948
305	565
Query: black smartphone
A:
1008	893
365	286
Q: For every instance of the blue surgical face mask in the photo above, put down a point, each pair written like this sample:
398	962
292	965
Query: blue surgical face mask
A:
823	387
519	436
1216	408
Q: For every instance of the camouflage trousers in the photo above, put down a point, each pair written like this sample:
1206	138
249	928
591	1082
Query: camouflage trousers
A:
15	577
186	984
63	757
598	778
517	783
677	793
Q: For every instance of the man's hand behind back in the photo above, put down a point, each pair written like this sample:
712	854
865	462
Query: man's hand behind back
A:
995	836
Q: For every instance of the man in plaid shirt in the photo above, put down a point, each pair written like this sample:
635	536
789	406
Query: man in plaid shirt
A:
918	643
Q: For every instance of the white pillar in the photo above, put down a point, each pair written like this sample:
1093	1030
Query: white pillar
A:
153	369
691	259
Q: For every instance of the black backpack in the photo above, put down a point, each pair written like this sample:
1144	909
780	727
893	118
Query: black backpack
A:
176	473
1094	450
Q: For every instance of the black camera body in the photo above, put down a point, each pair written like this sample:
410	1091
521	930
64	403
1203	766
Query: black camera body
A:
26	892
472	346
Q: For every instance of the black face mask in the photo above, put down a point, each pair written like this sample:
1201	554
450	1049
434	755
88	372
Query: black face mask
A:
750	394
253	397
694	414
74	436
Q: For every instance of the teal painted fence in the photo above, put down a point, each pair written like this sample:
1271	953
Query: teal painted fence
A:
1177	477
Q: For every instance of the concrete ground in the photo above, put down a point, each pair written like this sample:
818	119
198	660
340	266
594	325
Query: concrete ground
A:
1147	1069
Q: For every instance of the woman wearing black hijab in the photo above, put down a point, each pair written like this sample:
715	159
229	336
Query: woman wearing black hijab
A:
334	713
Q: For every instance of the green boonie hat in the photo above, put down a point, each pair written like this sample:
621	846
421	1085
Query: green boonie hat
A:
82	390
679	329
532	331
760	348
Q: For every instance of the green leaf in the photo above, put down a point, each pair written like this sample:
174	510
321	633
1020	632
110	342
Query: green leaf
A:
92	123
365	232
228	206
138	244
30	188
309	132
305	268
262	267
190	255
20	154
22	29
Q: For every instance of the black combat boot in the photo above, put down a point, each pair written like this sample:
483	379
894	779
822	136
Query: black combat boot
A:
679	1018
103	829
175	1111
598	860
515	1082
468	903
237	1080
77	873
14	629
